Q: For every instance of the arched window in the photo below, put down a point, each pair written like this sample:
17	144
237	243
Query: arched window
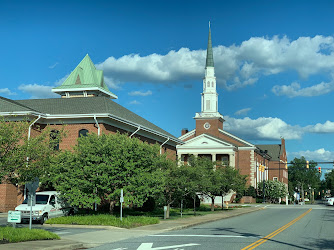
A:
212	84
83	132
208	84
54	139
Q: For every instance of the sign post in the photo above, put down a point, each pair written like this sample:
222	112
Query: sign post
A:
32	187
121	201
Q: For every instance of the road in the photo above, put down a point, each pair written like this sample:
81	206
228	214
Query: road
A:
286	227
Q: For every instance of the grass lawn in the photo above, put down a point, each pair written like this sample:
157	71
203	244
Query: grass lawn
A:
12	235
105	220
134	218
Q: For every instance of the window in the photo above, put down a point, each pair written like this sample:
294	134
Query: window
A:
207	104
208	84
212	84
54	139
275	179
83	132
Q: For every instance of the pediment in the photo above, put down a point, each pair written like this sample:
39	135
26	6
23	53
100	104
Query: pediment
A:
205	141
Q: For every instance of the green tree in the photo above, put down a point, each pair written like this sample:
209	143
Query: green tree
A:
273	190
329	181
217	180
301	178
22	158
180	181
100	166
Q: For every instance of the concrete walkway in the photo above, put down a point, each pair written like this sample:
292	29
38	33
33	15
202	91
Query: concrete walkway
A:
113	234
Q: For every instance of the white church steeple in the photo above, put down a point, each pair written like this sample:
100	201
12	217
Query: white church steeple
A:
209	101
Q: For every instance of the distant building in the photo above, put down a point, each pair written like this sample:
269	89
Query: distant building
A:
209	139
85	106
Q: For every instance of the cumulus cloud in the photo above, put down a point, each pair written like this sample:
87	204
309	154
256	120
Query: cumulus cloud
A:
6	91
269	128
140	93
242	111
295	89
327	127
263	128
236	66
38	91
316	155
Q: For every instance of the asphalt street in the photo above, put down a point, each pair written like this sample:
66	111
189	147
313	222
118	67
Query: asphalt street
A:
291	227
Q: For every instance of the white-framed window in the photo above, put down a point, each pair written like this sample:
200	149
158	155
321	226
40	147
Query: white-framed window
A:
208	84
275	178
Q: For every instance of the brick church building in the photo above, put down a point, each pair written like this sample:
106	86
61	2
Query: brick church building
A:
209	138
85	106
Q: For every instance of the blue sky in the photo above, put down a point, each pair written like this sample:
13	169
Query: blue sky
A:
274	61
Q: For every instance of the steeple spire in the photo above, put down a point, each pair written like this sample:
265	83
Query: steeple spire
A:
209	54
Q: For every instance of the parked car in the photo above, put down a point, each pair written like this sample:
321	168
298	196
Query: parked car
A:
330	201
48	205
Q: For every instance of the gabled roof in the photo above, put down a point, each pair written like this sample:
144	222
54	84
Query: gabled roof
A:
7	105
273	150
74	107
85	77
205	141
245	143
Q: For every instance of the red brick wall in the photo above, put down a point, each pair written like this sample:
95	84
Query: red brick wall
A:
243	162
215	125
10	197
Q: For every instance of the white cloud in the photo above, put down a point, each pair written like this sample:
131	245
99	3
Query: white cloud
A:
38	91
141	93
134	102
295	89
263	128
269	128
6	91
236	66
327	127
317	155
242	111
61	80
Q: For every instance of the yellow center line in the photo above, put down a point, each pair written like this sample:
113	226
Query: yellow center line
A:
269	236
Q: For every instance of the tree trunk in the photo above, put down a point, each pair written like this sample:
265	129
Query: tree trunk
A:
195	204
167	212
112	206
222	202
212	203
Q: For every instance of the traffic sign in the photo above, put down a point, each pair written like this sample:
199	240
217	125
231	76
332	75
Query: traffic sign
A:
33	185
14	217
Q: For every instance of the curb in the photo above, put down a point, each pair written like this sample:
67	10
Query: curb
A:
209	220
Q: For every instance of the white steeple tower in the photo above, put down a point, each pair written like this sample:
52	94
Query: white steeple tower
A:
209	108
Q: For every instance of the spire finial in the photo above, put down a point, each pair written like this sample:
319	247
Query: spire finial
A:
209	24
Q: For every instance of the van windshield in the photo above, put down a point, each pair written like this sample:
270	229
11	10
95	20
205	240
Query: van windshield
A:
41	199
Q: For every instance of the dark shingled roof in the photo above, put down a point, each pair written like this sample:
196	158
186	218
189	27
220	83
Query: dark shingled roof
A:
78	105
273	150
7	105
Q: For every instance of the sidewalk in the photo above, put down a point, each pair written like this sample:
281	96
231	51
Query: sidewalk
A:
113	234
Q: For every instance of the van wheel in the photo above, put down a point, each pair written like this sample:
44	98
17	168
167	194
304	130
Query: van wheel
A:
43	219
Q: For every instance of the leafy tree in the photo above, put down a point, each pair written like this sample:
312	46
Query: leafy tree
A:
181	181
217	181
302	178
22	158
329	181
100	166
273	190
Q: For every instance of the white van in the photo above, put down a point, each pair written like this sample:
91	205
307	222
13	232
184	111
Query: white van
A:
48	205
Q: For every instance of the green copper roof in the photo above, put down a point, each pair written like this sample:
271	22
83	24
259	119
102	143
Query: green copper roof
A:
85	76
209	54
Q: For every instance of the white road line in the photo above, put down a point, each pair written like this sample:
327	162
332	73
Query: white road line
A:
203	235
